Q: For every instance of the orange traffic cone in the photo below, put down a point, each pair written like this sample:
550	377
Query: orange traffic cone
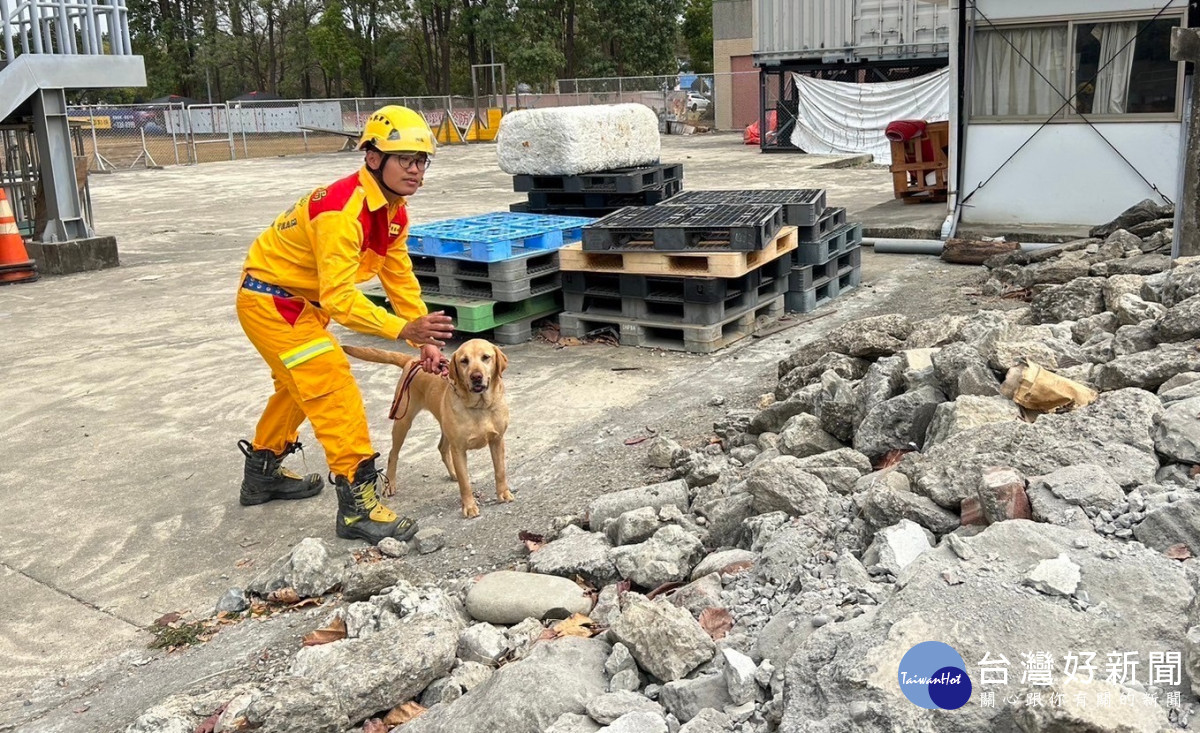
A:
15	265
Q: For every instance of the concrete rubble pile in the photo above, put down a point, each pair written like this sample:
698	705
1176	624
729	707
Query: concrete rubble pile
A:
885	493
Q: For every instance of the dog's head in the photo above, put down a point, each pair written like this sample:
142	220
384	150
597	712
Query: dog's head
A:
476	365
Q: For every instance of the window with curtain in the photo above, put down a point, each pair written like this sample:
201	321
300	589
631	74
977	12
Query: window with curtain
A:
1111	68
1007	85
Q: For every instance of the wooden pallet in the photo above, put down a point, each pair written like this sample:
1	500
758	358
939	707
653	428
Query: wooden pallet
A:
912	166
678	264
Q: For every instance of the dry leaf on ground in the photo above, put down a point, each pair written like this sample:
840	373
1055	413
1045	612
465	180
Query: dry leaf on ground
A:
716	621
335	631
286	596
533	542
402	714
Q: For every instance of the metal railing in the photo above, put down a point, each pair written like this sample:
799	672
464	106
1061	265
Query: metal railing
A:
86	27
120	137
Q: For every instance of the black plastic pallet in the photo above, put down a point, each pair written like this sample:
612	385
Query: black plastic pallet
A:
675	337
801	206
549	201
831	219
803	276
689	301
737	228
808	300
618	180
840	240
502	290
510	270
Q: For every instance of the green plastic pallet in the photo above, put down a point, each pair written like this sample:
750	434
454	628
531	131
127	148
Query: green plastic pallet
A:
476	315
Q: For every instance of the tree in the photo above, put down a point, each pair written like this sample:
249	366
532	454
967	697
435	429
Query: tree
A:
698	35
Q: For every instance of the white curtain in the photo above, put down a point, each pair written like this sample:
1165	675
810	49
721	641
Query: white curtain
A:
836	117
1112	84
1004	84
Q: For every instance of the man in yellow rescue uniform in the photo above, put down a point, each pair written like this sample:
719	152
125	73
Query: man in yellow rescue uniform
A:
300	274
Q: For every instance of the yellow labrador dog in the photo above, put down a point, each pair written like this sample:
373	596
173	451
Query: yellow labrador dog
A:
469	406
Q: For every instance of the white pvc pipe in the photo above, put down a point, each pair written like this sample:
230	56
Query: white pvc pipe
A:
884	245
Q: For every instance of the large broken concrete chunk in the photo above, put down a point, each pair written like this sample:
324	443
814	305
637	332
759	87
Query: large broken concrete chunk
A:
1172	524
686	698
898	424
576	552
664	639
1132	310
369	675
885	498
1178	435
781	485
611	506
509	598
937	331
962	370
839	469
843	677
803	436
847	367
1084	486
868	338
1181	322
557	677
883	381
1080	298
1002	495
897	546
1148	369
660	451
607	708
1116	433
292	703
775	416
1057	577
312	568
718	561
567	141
1140	213
1081	710
1177	285
667	557
837	406
966	412
1119	285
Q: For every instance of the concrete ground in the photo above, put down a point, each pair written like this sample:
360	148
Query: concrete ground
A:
127	389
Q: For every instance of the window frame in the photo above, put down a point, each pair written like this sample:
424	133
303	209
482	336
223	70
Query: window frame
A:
1069	115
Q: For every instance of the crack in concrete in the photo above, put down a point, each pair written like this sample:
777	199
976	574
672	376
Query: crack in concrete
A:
72	596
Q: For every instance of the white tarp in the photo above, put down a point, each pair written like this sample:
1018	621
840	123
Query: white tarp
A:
840	117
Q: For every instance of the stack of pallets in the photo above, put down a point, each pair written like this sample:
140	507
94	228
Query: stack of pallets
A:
493	274
598	194
828	260
688	278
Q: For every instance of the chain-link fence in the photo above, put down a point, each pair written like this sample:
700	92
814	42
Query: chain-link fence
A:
122	137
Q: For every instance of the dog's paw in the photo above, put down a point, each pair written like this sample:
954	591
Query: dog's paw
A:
504	496
470	511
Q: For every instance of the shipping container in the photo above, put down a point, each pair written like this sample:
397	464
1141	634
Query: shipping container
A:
827	31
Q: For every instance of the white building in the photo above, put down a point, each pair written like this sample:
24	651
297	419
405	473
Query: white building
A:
1070	111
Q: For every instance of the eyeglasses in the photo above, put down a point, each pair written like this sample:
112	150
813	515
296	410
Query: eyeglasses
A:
420	160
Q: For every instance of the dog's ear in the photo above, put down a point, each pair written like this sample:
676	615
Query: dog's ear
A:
456	370
501	360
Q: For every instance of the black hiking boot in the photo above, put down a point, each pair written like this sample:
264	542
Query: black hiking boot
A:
360	515
266	479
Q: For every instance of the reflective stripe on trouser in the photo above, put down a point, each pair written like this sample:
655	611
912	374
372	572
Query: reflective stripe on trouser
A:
312	379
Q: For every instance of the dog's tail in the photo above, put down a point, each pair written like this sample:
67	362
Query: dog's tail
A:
381	356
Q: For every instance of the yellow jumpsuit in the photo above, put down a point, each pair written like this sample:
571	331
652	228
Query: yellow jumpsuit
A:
300	274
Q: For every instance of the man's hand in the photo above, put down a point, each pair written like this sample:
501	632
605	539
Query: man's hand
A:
431	329
432	361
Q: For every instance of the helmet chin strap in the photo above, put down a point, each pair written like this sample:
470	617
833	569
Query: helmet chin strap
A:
378	175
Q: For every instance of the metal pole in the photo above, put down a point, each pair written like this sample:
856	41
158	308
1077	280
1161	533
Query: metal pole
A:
95	143
300	121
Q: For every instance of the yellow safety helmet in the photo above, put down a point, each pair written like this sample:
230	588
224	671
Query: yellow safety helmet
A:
396	129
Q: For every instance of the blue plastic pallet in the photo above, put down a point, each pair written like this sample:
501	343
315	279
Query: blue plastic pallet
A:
495	237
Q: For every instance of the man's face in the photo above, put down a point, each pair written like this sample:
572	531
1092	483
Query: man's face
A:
402	172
